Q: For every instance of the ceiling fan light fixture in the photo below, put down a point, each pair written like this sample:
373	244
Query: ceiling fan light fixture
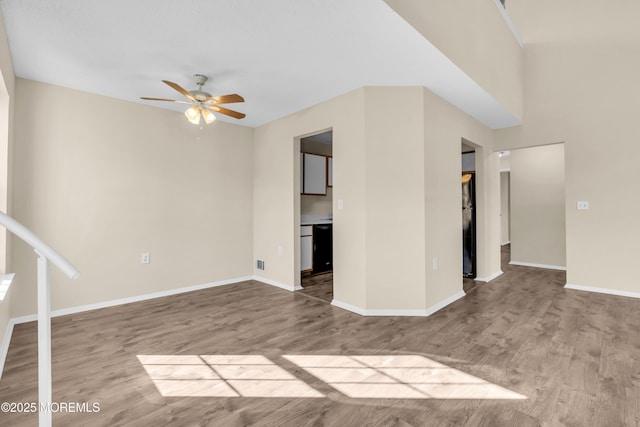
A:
208	116
193	114
202	102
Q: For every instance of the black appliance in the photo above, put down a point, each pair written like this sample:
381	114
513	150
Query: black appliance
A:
468	225
322	248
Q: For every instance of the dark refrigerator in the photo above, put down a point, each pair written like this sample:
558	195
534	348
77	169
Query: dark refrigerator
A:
468	225
322	248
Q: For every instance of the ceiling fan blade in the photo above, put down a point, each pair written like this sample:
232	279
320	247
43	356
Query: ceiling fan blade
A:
164	99
226	99
179	89
227	112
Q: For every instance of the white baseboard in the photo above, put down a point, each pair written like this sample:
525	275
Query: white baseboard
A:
445	302
489	277
422	313
531	264
276	284
602	291
348	307
137	298
4	347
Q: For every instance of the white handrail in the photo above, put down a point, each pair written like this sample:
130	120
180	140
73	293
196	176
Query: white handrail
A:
45	254
41	247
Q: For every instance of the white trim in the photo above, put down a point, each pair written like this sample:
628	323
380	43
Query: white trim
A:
24	319
508	242
422	313
490	277
138	298
445	302
531	264
4	348
276	284
507	19
505	170
602	291
348	307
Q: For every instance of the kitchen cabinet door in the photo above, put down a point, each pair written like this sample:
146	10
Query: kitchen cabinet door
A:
301	173
306	253
315	174
329	171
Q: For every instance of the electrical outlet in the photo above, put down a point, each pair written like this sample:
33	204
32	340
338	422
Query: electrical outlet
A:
583	206
145	258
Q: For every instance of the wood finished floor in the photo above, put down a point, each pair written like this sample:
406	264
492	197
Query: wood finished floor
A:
574	355
321	285
318	286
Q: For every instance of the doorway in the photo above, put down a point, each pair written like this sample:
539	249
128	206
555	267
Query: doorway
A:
537	206
469	258
316	215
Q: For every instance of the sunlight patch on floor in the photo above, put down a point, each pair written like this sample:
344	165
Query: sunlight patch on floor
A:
222	376
357	376
398	377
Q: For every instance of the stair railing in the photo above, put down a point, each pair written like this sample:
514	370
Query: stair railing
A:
45	254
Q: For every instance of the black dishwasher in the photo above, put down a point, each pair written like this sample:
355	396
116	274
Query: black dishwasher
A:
322	248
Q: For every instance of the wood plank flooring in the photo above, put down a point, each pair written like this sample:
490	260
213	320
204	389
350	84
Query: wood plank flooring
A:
318	285
574	355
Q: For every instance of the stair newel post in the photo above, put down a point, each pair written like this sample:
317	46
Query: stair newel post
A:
45	254
44	343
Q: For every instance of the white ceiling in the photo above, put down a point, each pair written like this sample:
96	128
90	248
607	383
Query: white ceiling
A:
280	55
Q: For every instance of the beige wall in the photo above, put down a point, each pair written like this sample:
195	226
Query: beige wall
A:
6	63
277	194
445	128
7	91
581	88
538	206
398	175
103	180
315	147
505	206
317	205
475	36
395	198
505	162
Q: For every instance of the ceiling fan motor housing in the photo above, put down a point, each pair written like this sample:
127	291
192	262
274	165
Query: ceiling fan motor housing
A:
199	94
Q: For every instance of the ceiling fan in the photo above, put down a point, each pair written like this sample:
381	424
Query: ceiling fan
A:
203	103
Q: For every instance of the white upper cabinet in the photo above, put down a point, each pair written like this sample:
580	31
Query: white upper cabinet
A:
301	172
314	170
